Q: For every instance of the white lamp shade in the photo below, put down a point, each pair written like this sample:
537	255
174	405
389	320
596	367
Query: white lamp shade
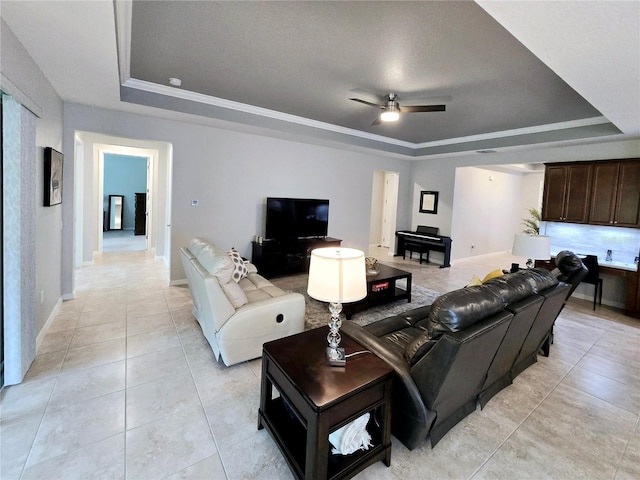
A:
337	275
536	247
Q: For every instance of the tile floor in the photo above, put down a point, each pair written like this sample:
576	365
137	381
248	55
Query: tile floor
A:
122	241
125	386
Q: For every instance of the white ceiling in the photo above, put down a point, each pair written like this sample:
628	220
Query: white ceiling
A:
289	68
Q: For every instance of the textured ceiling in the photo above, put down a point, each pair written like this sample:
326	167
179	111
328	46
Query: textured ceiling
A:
307	59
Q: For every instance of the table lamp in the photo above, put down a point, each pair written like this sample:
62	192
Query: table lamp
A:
337	276
532	247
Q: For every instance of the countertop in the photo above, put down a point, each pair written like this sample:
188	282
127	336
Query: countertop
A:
628	266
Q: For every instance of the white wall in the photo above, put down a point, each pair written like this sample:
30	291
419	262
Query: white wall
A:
485	216
231	173
488	209
22	79
532	186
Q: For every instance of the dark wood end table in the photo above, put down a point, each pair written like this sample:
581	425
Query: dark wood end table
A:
316	399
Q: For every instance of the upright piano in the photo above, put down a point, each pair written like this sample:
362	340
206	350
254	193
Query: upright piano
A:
424	239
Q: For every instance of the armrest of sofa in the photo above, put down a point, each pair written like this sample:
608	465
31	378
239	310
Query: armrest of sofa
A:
417	315
411	419
258	317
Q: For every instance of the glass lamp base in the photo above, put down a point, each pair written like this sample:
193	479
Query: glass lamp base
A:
336	357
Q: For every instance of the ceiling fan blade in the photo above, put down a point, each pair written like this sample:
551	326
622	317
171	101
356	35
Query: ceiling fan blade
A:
423	108
377	121
424	97
367	103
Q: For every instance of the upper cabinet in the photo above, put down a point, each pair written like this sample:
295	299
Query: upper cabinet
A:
627	213
566	192
616	194
598	193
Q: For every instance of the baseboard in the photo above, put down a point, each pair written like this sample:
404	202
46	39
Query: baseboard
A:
182	281
162	258
605	301
47	324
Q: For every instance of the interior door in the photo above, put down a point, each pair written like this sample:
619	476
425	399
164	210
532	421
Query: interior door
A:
390	199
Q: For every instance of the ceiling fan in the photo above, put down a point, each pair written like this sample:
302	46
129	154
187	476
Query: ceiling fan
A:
391	109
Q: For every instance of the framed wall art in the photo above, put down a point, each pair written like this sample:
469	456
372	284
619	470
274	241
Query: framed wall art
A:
52	177
428	202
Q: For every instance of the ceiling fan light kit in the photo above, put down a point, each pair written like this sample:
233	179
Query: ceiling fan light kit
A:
390	115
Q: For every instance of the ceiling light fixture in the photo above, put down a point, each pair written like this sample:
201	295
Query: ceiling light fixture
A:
175	82
391	113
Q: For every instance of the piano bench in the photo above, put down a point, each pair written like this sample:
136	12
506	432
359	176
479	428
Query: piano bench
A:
414	247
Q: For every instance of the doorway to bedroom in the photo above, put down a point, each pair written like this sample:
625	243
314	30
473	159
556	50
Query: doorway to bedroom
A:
125	188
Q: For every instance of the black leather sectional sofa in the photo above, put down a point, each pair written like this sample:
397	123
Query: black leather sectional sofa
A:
467	346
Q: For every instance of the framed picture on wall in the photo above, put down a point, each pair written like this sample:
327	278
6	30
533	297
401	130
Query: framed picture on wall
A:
52	177
428	202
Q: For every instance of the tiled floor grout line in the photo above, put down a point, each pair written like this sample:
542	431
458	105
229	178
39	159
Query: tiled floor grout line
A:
198	392
53	389
636	426
126	388
533	410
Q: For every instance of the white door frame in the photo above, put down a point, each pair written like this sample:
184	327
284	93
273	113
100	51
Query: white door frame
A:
152	158
389	209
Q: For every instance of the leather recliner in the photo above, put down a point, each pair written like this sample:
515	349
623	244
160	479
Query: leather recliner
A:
462	349
237	317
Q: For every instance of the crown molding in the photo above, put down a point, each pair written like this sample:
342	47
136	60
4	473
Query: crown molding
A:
585	122
174	92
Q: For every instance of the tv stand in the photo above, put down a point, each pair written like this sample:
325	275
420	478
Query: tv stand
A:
287	256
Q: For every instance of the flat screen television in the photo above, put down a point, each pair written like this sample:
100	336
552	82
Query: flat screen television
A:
289	218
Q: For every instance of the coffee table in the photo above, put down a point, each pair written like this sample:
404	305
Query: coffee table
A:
381	288
316	399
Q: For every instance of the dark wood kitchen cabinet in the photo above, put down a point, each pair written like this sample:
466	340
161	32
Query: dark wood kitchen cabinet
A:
566	192
616	194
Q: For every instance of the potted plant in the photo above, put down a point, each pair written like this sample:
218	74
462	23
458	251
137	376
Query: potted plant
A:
532	224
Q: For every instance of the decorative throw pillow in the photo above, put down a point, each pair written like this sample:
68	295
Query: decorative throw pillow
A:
239	268
493	274
474	281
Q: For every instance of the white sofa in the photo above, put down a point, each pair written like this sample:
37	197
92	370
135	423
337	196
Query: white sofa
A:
237	317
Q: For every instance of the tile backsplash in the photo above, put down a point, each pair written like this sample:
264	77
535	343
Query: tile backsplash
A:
624	243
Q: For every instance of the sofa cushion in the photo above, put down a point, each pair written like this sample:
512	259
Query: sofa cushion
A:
196	245
246	284
257	295
273	291
418	347
459	309
239	268
257	280
540	279
568	263
216	262
235	294
513	287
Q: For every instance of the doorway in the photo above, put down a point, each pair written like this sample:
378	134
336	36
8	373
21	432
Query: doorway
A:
125	180
384	207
